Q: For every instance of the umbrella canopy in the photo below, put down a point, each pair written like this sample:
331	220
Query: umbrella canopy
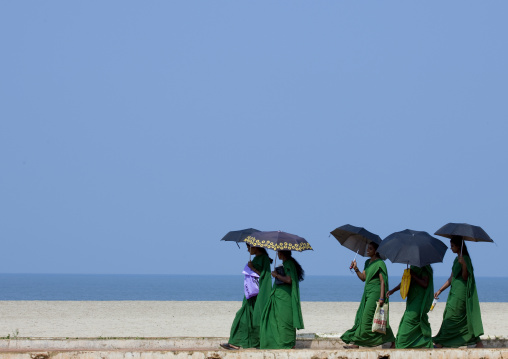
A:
355	238
410	247
468	232
239	236
278	241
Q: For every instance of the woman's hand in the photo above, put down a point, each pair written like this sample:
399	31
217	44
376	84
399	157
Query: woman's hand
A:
389	293
381	301
251	266
436	295
274	274
353	265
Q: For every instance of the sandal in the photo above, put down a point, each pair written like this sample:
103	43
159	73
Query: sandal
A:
228	346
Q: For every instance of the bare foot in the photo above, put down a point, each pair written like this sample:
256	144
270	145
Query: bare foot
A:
392	346
439	346
351	346
479	344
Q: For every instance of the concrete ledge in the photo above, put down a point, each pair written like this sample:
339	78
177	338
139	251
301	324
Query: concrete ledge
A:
147	343
170	344
266	354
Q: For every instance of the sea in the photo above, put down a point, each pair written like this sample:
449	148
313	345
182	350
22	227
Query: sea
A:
119	287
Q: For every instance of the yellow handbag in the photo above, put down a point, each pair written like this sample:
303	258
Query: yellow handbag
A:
404	283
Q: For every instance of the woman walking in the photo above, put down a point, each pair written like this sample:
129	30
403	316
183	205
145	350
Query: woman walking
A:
283	314
414	328
462	320
375	276
245	328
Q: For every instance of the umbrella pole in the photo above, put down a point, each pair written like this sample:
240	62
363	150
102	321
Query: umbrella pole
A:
461	246
351	267
356	255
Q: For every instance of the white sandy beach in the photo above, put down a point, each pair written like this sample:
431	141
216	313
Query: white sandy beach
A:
189	319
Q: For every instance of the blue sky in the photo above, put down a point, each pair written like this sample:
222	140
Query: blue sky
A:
133	135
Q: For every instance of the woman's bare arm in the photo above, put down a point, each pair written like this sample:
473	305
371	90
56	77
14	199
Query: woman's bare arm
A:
464	273
390	292
422	282
251	266
382	294
283	278
360	275
446	285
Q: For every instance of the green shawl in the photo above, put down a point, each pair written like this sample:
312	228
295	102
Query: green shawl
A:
290	269
474	319
262	264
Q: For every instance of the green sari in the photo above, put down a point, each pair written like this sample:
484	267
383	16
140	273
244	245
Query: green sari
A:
414	328
245	328
283	313
462	320
361	334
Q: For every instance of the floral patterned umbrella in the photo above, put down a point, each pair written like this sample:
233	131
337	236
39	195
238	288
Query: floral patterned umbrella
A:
278	241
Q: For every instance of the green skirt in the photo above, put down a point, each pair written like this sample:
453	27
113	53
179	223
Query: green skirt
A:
277	330
243	331
414	329
454	331
361	334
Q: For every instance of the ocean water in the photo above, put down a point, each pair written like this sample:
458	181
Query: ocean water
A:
199	287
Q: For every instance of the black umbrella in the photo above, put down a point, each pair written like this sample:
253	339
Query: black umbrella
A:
278	241
410	247
355	238
238	236
468	232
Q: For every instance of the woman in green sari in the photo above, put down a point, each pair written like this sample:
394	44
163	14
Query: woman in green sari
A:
282	315
375	276
414	328
245	328
462	320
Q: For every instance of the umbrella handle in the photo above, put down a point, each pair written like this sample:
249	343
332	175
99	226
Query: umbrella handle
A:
461	246
354	258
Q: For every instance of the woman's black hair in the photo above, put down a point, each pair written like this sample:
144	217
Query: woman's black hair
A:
457	240
300	273
262	250
376	246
